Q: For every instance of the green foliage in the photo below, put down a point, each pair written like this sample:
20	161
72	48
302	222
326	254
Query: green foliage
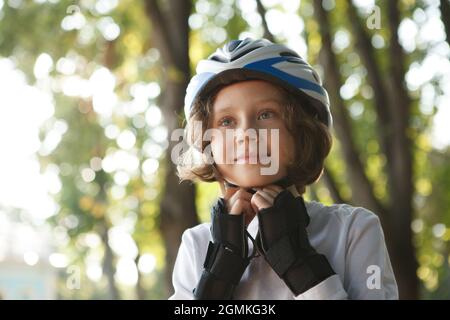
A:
35	28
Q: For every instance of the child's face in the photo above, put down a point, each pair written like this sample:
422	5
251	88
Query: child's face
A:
253	104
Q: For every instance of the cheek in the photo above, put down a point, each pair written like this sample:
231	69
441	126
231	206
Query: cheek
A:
286	146
219	147
216	149
289	150
276	141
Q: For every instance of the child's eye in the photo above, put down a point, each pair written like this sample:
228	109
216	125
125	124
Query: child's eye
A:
266	115
225	122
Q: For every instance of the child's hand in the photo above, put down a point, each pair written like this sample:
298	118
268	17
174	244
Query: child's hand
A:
227	255
283	241
238	201
265	197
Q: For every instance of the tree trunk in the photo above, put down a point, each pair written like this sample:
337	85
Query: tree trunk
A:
140	291
109	268
445	17
262	12
171	35
108	263
362	190
392	106
404	259
332	187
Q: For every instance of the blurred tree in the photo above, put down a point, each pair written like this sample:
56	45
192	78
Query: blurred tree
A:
445	16
169	21
395	127
85	43
381	158
393	107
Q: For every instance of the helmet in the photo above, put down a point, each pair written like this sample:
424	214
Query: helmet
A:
260	59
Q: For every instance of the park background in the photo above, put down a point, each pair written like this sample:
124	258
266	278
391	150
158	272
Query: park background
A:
90	91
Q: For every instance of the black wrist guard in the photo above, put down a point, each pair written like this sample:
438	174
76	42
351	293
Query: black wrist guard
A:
226	258
283	240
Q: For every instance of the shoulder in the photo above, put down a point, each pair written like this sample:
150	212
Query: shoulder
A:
342	215
197	236
194	243
350	232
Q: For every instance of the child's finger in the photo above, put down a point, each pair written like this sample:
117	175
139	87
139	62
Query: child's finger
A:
273	194
241	206
274	187
239	194
236	208
260	202
228	191
267	196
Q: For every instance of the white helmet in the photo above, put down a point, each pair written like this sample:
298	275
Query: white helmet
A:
261	59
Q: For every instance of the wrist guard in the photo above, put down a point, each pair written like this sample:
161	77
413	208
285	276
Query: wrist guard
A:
227	256
283	240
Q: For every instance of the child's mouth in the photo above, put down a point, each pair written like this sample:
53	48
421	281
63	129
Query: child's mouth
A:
246	159
250	158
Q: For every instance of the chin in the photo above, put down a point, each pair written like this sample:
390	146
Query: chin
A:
250	176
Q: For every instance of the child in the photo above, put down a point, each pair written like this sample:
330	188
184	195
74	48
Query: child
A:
264	241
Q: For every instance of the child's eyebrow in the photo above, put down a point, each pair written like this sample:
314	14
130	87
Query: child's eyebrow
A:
268	100
223	110
229	107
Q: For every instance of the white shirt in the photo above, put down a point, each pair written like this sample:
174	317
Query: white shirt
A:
350	237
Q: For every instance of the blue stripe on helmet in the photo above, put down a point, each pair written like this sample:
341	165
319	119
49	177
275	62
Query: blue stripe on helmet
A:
266	67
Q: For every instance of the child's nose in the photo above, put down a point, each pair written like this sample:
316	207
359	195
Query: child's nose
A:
247	123
246	130
246	135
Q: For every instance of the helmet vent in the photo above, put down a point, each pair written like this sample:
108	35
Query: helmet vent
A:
242	54
297	60
289	54
218	58
232	45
